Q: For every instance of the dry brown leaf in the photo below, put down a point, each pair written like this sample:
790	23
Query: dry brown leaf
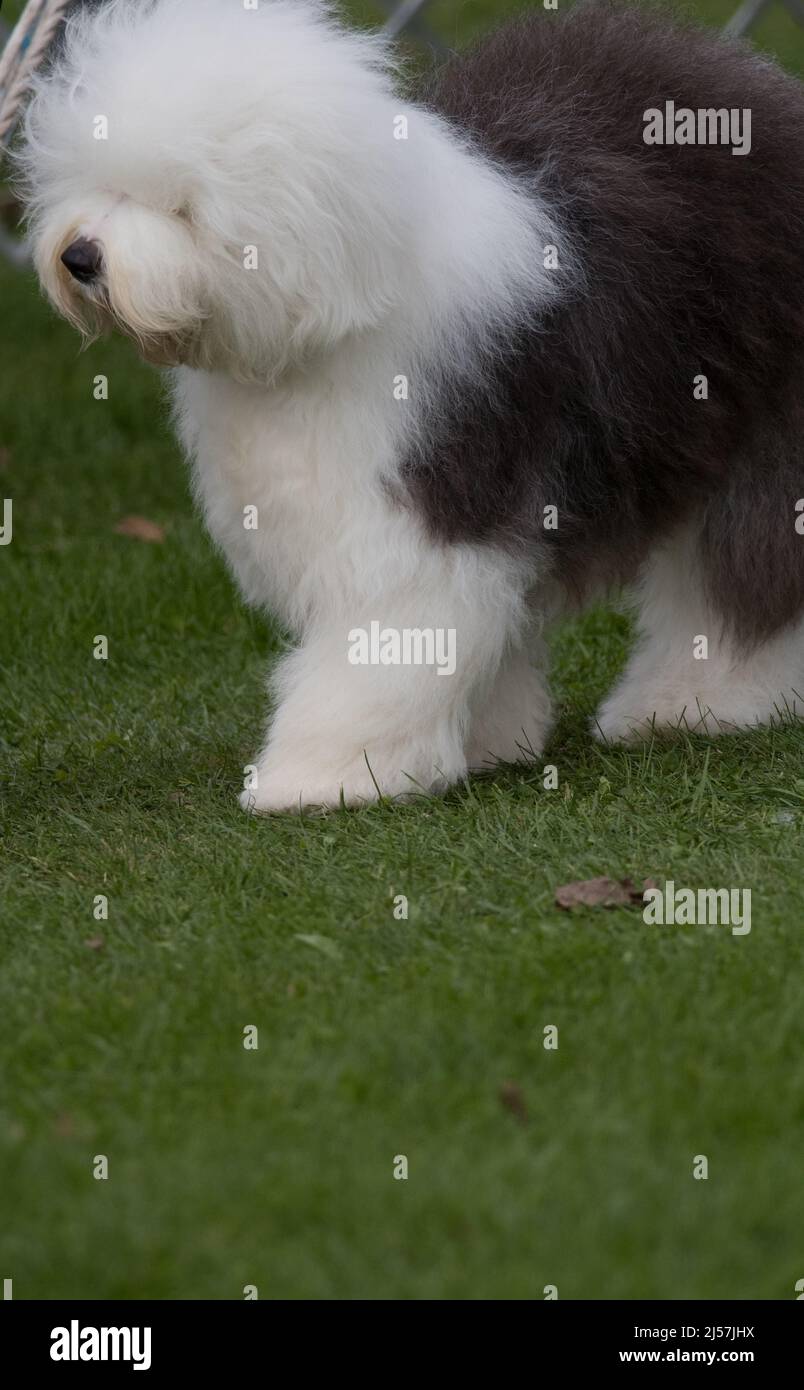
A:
602	892
512	1098
95	943
140	528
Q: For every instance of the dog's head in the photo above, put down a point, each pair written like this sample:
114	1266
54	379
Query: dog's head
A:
215	180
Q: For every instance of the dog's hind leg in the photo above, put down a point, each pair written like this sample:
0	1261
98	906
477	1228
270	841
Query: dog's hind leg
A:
720	629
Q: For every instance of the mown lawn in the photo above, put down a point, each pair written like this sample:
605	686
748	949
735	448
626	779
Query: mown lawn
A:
378	1037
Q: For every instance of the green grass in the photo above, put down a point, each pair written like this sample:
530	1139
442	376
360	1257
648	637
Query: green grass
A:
377	1037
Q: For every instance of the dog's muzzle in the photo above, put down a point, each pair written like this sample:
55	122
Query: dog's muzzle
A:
83	259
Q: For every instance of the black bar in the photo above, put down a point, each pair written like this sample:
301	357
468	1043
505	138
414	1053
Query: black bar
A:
213	1337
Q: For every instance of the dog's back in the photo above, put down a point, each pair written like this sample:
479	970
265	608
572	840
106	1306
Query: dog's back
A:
692	265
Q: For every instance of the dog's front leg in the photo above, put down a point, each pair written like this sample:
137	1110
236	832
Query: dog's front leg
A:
381	707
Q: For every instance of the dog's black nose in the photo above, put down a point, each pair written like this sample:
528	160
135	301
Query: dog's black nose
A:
83	260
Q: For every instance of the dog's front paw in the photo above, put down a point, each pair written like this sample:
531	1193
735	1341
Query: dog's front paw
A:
281	791
278	787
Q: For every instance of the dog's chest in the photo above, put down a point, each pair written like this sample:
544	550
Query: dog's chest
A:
275	487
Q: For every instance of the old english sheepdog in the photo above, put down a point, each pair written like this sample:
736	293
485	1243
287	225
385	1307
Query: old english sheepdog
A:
448	363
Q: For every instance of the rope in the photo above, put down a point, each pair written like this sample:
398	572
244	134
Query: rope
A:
22	55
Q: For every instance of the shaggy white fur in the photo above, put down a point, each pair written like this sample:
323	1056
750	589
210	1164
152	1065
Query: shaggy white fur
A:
242	191
308	249
687	672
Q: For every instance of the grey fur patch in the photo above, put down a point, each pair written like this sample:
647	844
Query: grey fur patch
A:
694	264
